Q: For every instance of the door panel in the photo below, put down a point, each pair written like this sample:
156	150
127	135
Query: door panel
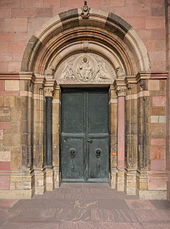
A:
97	109
72	112
84	135
72	158
98	159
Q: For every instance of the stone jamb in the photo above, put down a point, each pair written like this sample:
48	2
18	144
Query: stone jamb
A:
121	87
48	93
56	135
38	133
131	137
113	136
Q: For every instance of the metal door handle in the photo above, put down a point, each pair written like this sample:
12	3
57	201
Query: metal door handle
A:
89	140
72	153
98	153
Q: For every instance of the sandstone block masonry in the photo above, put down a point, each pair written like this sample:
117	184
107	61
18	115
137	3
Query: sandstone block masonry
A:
51	30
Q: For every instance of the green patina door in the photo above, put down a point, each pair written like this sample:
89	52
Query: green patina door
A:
84	135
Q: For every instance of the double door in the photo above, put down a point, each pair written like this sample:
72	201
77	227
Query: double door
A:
84	135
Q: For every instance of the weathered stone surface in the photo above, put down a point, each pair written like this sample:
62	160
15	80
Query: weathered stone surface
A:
158	130
49	179
153	85
5	155
130	182
5	114
118	21
158	111
30	46
39	181
22	119
120	180
4	182
1	135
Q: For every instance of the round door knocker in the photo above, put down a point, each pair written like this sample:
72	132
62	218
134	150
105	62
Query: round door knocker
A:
98	153
72	153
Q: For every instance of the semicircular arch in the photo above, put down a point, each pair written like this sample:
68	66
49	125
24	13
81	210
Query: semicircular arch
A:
103	33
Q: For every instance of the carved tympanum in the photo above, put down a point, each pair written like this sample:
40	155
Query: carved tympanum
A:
85	68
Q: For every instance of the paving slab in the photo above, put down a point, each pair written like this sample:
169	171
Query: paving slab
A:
89	206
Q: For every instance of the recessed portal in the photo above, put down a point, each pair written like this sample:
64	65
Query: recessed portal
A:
85	135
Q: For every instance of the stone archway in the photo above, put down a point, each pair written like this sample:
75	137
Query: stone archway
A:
103	38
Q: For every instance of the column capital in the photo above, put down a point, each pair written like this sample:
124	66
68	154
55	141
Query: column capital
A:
48	91
49	86
120	86
38	79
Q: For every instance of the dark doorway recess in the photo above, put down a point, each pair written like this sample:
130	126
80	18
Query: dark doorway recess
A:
85	135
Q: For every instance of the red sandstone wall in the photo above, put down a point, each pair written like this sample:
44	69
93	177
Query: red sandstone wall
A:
168	108
19	19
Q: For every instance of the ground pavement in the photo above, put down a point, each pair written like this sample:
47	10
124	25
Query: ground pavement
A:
84	206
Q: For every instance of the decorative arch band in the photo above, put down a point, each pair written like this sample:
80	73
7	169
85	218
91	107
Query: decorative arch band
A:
99	30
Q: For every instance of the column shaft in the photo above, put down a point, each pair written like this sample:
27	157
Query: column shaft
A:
121	132
49	131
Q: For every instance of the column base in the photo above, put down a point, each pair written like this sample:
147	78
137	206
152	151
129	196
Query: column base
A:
120	184
142	180
147	185
16	194
152	195
130	182
49	179
40	178
57	177
21	185
168	185
113	179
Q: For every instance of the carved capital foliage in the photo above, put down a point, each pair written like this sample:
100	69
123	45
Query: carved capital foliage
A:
49	86
121	91
48	91
120	87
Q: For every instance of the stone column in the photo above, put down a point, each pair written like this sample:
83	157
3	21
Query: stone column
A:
131	138
120	86
143	138
48	90
55	135
48	121
113	136
22	178
38	134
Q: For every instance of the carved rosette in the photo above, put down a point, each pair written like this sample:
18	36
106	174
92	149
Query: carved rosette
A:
85	68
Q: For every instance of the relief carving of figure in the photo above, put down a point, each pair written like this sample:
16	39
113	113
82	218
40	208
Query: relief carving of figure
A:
84	71
101	71
83	68
69	73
